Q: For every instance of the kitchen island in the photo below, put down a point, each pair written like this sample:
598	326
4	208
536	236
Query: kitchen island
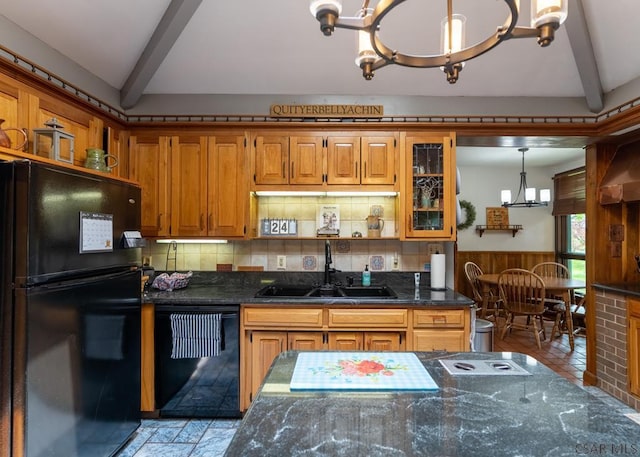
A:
480	415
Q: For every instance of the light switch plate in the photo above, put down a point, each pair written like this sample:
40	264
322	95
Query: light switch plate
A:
281	262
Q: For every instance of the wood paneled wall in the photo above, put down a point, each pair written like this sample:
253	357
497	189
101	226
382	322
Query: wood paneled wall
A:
495	262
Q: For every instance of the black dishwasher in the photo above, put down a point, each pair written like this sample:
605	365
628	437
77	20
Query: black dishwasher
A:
191	380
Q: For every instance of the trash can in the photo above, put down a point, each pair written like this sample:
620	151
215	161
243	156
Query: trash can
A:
483	338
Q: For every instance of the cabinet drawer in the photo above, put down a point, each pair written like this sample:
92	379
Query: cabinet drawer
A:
362	318
443	318
282	317
440	340
634	307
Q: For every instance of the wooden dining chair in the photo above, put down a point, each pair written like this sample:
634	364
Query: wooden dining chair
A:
555	306
493	308
523	295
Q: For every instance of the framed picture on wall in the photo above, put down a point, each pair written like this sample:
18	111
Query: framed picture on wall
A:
328	220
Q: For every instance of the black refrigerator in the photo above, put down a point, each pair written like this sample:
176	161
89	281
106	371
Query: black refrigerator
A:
69	311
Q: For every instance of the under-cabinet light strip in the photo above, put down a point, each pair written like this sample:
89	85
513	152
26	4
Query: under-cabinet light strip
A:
192	240
294	193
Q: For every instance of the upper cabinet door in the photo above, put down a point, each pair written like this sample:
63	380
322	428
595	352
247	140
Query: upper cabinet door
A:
189	185
429	201
228	186
343	160
149	166
271	159
378	160
306	160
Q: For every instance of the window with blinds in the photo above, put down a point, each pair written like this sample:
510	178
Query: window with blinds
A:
569	192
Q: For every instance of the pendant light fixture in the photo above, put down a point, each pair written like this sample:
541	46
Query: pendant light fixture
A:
528	193
373	53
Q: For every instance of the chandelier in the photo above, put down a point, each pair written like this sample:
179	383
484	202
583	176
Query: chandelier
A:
529	193
546	17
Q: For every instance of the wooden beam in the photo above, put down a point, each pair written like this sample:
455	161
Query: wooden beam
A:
173	22
582	48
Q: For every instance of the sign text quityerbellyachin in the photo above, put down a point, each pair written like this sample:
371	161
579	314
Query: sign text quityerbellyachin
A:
361	111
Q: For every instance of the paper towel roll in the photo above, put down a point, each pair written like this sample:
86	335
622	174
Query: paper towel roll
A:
438	271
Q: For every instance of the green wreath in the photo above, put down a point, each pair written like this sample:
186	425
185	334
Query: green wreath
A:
470	215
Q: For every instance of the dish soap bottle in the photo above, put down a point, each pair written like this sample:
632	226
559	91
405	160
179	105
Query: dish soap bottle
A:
366	276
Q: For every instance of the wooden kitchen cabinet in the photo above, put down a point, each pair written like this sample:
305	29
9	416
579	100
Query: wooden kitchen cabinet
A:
192	185
633	345
428	207
189	185
366	341
306	160
264	347
325	160
267	331
271	160
149	166
441	330
227	186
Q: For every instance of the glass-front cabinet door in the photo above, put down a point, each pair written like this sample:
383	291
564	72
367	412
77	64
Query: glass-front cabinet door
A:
429	195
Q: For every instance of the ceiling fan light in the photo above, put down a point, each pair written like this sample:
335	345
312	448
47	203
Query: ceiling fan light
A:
544	12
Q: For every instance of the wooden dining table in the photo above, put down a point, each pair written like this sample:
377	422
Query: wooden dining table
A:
561	287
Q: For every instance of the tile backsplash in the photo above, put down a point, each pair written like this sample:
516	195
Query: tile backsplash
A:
307	254
301	255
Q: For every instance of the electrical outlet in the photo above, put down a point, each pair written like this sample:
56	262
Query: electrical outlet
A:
396	263
281	262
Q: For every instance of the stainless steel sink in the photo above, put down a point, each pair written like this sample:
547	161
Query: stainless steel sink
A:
303	291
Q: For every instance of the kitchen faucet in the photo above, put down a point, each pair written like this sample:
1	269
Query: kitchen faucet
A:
327	263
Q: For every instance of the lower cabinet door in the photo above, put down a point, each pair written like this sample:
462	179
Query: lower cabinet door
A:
265	347
305	341
383	341
345	341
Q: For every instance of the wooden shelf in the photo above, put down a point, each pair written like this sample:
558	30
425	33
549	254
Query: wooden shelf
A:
504	228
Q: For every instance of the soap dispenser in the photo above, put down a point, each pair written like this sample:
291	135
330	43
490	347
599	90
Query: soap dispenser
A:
366	276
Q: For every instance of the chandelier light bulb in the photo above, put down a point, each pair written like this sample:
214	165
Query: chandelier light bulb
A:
545	195
548	11
458	23
530	194
505	196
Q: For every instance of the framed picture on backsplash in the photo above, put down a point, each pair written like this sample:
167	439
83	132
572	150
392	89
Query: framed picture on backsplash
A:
328	220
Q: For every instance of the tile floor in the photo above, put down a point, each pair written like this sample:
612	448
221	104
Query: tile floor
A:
210	438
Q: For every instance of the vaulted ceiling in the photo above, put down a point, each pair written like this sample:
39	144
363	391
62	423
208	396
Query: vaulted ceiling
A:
275	47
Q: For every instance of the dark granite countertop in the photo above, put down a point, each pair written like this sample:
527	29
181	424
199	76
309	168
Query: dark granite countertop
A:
631	289
233	288
515	415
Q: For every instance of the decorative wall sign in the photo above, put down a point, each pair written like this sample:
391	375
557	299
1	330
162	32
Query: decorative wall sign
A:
498	217
359	111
